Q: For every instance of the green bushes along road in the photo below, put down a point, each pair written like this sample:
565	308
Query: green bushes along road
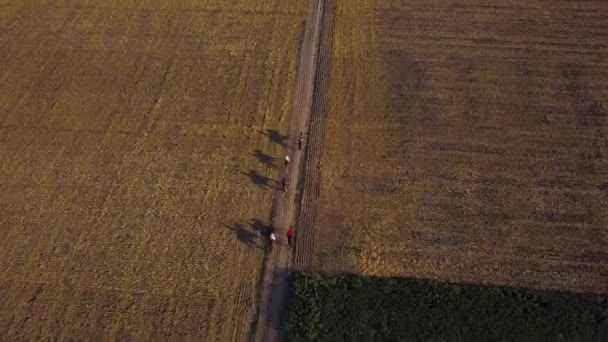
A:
352	308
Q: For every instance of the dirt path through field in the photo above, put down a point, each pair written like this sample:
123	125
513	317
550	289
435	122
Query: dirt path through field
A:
273	306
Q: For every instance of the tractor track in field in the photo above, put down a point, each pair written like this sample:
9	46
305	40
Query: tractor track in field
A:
309	180
271	322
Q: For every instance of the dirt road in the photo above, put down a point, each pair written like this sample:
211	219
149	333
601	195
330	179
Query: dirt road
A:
272	315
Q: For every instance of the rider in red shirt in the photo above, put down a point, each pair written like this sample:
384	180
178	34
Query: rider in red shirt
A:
289	235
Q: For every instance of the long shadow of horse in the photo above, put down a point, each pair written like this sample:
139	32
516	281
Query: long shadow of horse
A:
244	235
261	228
264	158
258	179
250	235
276	137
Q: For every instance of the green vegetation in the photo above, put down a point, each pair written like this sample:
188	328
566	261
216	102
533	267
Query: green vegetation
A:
353	308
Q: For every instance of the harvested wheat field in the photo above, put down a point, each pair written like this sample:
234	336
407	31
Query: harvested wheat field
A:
137	146
462	142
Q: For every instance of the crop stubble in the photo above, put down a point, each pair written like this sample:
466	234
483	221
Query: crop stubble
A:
466	142
135	165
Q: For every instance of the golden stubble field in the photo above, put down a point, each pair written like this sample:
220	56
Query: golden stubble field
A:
465	142
136	146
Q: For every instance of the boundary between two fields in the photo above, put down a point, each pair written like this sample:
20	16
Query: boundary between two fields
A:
272	313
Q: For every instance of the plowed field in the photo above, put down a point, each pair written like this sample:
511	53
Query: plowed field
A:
137	159
463	142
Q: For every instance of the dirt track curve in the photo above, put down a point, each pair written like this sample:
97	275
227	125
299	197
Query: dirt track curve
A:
271	322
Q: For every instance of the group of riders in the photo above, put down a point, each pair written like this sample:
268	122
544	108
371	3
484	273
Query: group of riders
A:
290	232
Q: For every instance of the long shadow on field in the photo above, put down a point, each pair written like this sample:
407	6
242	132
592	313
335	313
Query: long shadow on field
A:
274	311
276	137
244	235
264	158
259	179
